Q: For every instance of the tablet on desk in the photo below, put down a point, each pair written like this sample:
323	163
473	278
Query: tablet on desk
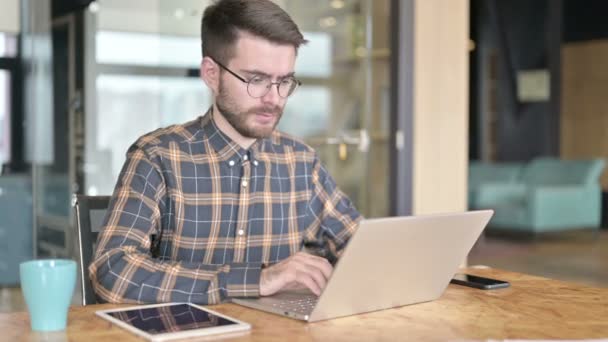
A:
162	322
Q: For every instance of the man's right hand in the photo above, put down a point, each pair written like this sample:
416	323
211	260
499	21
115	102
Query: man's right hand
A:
299	271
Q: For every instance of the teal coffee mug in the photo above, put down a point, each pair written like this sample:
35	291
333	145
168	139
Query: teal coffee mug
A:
47	286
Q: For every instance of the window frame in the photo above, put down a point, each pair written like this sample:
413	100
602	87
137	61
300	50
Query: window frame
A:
13	65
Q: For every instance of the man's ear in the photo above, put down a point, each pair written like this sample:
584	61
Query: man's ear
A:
210	74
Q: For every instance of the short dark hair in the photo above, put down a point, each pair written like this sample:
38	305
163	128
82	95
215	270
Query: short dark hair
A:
263	18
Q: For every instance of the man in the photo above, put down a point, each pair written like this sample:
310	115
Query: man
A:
225	206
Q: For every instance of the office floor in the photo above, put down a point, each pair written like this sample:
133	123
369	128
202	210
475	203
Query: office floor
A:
580	257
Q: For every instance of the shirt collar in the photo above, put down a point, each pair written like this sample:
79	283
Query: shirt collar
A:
227	149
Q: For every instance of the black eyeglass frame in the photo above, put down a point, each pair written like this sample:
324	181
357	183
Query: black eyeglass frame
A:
268	87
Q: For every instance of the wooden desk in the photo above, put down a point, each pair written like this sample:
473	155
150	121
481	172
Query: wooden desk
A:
532	308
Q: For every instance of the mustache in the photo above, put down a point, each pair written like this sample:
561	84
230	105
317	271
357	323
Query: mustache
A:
275	110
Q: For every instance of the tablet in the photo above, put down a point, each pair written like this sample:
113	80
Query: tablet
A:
162	322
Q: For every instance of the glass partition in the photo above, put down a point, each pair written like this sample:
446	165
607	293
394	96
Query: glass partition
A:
130	105
146	77
140	72
342	108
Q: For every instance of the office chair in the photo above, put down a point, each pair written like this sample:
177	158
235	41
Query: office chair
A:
90	212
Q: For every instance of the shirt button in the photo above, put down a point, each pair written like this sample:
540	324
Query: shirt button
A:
241	232
255	162
245	157
231	163
244	184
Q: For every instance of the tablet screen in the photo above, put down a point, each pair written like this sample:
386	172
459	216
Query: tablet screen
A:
171	318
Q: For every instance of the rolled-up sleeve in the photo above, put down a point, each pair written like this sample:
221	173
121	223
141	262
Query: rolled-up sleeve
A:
335	217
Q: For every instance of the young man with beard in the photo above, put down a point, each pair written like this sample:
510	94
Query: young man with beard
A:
224	206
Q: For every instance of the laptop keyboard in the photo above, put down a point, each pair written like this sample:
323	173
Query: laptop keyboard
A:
302	305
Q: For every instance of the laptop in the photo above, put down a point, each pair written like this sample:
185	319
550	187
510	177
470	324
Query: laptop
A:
389	262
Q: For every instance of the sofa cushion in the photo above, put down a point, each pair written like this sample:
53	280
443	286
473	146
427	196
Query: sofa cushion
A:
481	173
551	171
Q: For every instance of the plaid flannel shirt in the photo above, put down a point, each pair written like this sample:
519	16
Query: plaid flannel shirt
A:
194	217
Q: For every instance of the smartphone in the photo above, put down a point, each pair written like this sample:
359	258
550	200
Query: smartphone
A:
478	282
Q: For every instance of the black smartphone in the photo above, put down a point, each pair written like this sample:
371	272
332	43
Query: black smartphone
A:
478	282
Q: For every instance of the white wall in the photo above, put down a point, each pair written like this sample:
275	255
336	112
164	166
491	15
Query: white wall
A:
9	16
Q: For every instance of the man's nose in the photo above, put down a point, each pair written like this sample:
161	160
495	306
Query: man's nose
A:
272	96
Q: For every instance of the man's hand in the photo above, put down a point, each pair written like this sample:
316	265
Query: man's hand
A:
299	271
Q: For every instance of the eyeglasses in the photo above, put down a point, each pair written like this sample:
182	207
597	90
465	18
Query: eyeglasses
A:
259	86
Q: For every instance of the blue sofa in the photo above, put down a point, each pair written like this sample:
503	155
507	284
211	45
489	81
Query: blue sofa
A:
548	195
481	173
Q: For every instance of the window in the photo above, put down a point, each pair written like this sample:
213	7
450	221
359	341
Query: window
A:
307	112
8	45
135	94
129	106
8	52
314	58
5	118
144	49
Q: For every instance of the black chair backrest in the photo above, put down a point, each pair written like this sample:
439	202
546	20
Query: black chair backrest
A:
90	212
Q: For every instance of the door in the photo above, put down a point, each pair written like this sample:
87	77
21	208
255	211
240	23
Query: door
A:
342	108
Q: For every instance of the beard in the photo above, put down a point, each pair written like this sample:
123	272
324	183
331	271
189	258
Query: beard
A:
243	120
